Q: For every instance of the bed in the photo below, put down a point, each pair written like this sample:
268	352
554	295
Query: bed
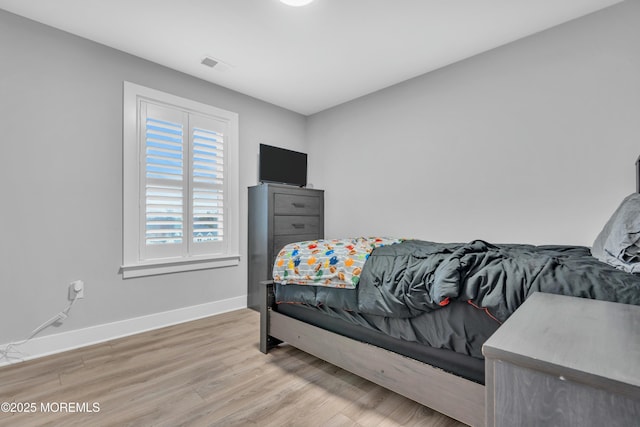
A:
412	315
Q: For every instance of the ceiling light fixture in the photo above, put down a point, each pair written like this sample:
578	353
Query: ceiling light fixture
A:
296	3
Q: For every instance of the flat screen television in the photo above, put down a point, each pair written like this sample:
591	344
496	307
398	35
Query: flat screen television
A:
282	166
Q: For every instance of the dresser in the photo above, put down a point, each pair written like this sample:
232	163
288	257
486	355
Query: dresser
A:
565	361
278	214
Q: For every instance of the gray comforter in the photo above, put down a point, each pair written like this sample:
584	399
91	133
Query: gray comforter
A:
414	277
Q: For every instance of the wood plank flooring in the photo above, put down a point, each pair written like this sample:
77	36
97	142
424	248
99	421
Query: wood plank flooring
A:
207	372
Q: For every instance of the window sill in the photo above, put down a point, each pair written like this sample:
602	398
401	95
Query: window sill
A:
175	266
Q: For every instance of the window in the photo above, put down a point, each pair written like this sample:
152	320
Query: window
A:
180	177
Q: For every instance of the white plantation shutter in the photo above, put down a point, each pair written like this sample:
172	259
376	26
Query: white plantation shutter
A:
208	184
180	184
163	181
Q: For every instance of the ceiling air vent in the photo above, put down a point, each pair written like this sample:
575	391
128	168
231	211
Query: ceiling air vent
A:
216	64
209	62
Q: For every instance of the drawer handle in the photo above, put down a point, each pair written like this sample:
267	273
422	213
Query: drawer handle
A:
297	226
298	205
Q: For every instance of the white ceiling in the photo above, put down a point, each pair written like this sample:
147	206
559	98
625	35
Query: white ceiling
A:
310	58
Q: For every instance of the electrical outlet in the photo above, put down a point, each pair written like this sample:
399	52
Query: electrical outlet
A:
76	289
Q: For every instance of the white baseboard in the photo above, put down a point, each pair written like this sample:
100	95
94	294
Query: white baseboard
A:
57	343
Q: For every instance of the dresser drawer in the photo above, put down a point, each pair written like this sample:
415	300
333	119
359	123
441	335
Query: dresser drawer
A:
279	242
291	224
294	204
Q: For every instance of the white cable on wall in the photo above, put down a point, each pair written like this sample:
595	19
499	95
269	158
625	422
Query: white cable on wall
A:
10	354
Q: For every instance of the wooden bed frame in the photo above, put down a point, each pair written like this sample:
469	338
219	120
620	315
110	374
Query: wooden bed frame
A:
450	394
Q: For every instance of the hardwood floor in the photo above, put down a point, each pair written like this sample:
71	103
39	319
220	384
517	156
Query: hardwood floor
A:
207	372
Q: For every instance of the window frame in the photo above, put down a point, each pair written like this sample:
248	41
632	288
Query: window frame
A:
134	199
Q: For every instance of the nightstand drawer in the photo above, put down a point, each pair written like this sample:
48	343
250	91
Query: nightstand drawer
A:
286	224
294	204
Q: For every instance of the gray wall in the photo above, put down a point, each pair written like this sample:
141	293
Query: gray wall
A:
61	174
531	142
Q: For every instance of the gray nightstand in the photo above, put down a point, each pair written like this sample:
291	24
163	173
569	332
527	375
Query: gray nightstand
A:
565	361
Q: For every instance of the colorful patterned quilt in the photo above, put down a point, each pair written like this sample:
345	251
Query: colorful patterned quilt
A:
333	263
